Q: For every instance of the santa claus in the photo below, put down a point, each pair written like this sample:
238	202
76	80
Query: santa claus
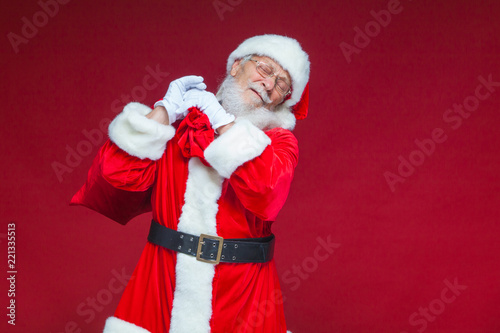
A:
215	170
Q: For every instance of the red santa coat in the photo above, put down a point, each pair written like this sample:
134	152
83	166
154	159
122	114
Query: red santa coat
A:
143	167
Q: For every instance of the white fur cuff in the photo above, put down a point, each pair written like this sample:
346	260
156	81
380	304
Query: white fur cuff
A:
138	135
116	325
241	143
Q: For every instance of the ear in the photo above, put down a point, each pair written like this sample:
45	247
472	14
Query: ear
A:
234	68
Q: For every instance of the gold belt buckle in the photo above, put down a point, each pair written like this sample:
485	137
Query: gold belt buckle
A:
202	242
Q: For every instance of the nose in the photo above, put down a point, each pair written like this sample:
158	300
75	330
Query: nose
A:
268	83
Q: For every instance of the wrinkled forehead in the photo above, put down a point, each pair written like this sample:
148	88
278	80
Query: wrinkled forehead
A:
277	67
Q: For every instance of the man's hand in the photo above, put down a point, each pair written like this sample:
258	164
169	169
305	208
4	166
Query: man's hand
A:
174	97
207	102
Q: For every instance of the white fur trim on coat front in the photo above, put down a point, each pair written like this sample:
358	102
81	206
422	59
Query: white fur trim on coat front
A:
239	144
140	136
116	325
192	304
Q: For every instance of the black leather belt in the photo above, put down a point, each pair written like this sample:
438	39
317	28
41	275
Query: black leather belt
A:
213	249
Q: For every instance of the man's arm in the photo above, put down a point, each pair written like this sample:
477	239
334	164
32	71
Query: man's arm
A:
224	128
263	183
160	115
120	179
259	165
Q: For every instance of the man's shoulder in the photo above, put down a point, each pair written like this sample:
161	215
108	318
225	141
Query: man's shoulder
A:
279	132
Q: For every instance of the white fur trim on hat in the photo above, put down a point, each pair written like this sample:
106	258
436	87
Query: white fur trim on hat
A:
116	325
140	136
286	51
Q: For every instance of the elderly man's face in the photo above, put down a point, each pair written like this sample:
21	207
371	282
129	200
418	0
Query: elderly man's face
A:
257	90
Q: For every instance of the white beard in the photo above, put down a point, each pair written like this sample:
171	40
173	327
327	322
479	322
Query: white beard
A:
231	94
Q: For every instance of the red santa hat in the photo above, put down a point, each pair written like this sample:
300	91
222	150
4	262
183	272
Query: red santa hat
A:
289	54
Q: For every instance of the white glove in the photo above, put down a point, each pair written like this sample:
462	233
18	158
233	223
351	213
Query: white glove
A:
208	103
174	97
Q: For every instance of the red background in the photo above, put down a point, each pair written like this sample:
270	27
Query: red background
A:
395	248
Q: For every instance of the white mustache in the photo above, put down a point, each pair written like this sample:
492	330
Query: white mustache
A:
261	91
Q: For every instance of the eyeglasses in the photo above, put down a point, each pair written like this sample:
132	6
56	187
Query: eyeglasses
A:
265	70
